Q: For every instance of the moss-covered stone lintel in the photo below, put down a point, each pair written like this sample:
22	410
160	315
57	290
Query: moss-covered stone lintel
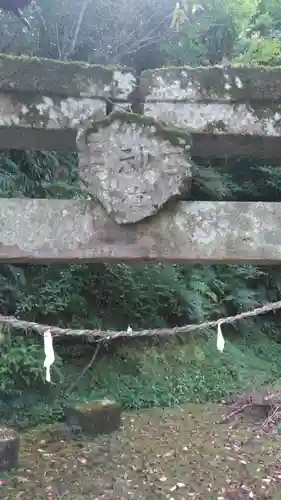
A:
32	116
68	79
186	232
78	79
216	83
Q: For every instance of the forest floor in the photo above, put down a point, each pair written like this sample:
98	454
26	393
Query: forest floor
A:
180	453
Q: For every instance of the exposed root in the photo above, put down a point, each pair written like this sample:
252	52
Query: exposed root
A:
267	403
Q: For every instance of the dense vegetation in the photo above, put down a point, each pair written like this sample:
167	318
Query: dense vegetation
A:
107	296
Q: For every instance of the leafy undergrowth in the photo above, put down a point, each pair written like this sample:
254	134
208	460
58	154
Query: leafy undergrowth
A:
174	374
178	454
139	375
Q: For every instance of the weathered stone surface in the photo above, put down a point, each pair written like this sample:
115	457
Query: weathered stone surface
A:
9	448
65	79
97	417
219	118
133	166
44	112
57	118
216	104
131	169
187	232
217	83
38	94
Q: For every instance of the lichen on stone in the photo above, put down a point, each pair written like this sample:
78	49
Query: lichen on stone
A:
133	165
239	118
217	83
40	111
75	79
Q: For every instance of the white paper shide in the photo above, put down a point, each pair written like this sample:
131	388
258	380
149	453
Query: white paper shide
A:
49	354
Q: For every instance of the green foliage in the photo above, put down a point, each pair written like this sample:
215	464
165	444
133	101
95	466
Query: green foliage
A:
163	375
21	365
33	174
247	32
260	51
30	412
114	296
169	375
25	396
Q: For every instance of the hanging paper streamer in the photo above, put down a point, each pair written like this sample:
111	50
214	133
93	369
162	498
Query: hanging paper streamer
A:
49	353
220	339
179	17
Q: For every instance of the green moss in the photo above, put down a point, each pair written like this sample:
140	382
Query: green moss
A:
215	126
217	66
32	74
175	135
24	59
48	76
98	405
266	111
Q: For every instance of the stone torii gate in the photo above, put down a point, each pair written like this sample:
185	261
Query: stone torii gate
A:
136	138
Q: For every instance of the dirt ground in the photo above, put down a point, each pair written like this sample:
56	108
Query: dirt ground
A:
181	453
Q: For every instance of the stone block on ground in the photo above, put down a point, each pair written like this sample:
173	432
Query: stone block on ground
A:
96	417
9	448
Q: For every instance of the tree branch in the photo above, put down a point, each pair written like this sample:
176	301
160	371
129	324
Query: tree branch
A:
78	28
85	369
